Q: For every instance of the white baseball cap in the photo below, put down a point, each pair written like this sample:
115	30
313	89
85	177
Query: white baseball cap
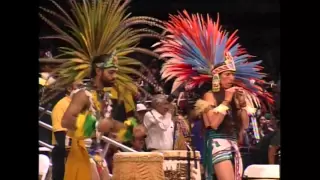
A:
141	107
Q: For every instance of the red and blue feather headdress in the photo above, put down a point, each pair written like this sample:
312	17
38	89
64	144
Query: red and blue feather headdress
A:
198	50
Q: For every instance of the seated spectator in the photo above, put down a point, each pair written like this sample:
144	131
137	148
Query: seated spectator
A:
261	155
264	125
140	112
134	135
137	141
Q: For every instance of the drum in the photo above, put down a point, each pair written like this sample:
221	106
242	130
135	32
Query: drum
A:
138	166
262	172
175	165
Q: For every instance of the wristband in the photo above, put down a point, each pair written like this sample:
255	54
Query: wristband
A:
221	109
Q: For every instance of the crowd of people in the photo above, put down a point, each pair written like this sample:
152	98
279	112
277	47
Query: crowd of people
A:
208	106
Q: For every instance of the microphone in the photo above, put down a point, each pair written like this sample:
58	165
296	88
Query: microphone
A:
268	84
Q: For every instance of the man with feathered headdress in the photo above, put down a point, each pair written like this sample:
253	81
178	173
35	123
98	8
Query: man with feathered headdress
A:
199	52
99	39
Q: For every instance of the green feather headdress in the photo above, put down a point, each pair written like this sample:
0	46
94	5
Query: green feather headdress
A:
96	28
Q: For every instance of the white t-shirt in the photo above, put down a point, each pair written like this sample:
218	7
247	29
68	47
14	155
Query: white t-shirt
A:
160	130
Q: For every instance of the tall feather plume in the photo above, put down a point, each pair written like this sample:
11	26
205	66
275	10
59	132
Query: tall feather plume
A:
95	28
195	45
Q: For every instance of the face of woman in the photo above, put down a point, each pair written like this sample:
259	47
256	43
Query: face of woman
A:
227	79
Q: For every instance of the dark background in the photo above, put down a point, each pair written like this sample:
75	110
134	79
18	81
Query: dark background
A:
258	23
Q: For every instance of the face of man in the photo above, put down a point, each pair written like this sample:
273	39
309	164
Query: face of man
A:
106	72
108	76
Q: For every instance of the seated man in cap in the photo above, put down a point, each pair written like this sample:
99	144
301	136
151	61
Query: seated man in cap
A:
140	112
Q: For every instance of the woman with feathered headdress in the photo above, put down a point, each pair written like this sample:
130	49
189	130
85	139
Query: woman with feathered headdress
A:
100	37
198	52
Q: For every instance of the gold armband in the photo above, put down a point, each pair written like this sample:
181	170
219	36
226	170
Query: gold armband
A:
221	109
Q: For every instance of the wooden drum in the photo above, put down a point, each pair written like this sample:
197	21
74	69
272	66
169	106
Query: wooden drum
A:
175	165
138	166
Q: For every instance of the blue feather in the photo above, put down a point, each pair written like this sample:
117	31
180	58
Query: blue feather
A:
233	49
192	54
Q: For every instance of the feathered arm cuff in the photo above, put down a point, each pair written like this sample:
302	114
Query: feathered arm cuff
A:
202	106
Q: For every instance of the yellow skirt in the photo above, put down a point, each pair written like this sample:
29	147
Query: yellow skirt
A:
78	162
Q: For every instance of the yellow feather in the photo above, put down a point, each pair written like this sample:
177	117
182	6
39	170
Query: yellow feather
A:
81	75
77	60
95	28
82	66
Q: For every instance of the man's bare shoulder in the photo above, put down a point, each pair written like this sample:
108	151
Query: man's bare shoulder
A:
81	94
80	98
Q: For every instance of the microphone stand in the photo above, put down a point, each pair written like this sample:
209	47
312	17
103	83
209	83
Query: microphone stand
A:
190	136
175	126
189	163
190	148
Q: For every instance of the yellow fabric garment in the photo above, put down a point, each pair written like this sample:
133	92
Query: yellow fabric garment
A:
80	122
78	165
57	114
78	162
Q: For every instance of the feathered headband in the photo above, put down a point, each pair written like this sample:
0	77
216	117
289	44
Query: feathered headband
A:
96	28
198	50
109	62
